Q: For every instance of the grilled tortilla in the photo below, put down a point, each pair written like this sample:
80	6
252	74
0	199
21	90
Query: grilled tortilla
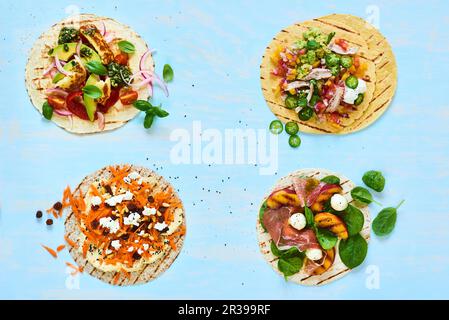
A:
374	52
338	269
39	60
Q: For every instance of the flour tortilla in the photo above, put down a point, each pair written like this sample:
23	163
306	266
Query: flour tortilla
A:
150	271
356	35
39	60
338	269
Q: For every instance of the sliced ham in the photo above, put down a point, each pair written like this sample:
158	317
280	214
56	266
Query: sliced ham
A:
299	184
318	74
337	49
310	266
284	235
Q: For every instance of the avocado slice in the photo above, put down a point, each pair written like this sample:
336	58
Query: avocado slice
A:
89	103
87	54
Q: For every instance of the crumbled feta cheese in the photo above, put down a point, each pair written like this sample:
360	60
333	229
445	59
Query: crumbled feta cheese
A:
116	244
141	233
108	251
160	226
127	180
112	225
145	246
136	241
140	251
131	249
95	201
149	211
113	201
128	196
134	175
133	219
139	182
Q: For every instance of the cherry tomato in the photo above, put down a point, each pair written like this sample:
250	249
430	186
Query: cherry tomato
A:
342	43
128	96
76	106
56	102
121	58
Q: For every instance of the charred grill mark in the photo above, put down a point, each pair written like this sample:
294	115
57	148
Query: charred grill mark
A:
382	92
302	123
333	276
338	27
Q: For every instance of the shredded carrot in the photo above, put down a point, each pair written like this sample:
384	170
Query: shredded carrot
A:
116	278
50	251
60	248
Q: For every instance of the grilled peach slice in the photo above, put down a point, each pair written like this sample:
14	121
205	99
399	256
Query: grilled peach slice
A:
327	263
325	196
333	223
284	197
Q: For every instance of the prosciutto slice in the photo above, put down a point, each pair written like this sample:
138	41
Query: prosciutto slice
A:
284	235
309	198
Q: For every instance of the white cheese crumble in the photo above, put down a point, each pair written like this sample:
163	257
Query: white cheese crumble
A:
112	225
160	226
113	201
95	201
149	211
145	246
140	251
134	175
131	249
132	219
108	251
128	196
127	180
116	244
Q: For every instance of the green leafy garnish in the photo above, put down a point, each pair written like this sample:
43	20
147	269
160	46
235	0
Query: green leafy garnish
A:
353	219
261	213
385	221
142	105
151	112
47	110
362	195
309	217
148	121
374	180
67	35
353	251
331	180
326	239
290	261
92	91
96	67
126	46
120	75
167	73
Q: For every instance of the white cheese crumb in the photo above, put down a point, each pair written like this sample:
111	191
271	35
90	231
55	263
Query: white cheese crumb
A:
116	244
128	196
132	219
149	211
112	225
108	251
160	226
131	249
145	246
95	201
134	175
127	180
140	251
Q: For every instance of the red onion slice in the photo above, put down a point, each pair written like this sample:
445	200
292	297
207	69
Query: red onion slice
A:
50	67
60	68
101	121
57	91
142	61
63	112
103	29
78	48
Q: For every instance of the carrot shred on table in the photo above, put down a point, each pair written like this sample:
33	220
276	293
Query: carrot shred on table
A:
50	251
60	248
70	242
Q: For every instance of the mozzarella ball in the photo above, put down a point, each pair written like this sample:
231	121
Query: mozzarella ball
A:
339	202
314	254
297	221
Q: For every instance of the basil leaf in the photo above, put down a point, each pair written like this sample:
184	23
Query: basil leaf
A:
362	195
261	212
92	91
96	67
385	221
374	179
159	112
326	239
142	105
309	217
331	180
353	251
353	219
126	46
148	121
290	265
167	73
47	111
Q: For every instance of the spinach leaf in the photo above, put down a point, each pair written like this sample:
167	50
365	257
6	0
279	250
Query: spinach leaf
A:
353	251
374	179
326	239
167	73
331	180
274	249
353	219
309	217
385	221
261	212
290	265
362	195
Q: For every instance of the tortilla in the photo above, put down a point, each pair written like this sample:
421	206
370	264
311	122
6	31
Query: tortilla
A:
338	269
39	60
150	271
379	59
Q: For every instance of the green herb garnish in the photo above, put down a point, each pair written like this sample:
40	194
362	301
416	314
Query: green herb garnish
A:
374	179
362	195
167	73
126	46
151	112
67	35
331	180
47	111
385	221
119	75
96	67
353	251
92	91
